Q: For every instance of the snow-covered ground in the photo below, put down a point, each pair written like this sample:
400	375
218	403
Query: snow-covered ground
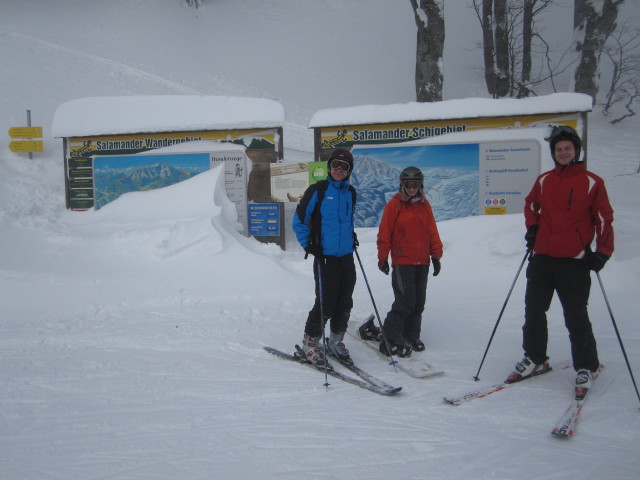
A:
130	337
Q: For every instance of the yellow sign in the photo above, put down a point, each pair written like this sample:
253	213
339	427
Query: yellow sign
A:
141	142
26	146
495	210
380	134
25	132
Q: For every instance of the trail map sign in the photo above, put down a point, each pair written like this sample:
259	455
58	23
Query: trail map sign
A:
461	179
484	163
83	154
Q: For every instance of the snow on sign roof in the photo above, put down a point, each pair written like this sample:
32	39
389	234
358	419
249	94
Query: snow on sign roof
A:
163	113
451	109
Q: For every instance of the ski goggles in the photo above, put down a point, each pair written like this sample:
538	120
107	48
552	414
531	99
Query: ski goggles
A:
340	165
411	184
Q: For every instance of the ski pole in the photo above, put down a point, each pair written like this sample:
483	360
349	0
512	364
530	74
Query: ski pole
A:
615	327
393	362
324	340
528	252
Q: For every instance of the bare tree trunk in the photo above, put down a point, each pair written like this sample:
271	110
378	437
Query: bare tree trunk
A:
527	37
486	21
592	26
503	78
493	17
509	42
429	17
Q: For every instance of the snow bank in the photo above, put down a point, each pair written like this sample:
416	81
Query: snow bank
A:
448	109
163	113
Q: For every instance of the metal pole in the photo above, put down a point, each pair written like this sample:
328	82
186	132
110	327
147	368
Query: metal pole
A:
615	327
28	125
324	340
393	362
528	252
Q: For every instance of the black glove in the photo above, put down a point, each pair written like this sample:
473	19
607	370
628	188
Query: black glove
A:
356	244
530	236
383	266
595	261
313	249
436	266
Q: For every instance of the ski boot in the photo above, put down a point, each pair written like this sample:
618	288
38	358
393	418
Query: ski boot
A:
526	368
312	350
417	345
584	380
337	348
399	349
368	331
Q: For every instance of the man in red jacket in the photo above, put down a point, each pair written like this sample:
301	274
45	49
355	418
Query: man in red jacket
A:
566	209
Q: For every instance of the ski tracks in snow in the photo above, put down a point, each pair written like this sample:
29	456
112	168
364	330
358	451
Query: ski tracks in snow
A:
116	66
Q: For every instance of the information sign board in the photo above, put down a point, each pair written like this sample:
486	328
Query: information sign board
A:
264	219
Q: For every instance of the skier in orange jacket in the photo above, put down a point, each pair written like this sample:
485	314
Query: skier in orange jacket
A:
409	233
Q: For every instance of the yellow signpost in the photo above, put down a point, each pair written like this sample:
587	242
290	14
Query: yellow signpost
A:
25	132
26	146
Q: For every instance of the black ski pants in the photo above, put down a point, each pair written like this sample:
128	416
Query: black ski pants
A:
338	282
571	280
404	320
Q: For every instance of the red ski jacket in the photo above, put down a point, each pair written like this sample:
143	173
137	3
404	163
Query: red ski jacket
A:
408	230
571	206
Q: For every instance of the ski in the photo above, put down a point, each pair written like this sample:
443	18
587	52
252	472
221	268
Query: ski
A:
412	366
366	376
485	391
354	381
566	425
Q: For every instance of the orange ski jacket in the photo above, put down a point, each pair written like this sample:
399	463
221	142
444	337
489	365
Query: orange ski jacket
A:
408	231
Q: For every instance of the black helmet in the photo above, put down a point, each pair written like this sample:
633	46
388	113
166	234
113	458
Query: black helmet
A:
411	173
563	132
341	154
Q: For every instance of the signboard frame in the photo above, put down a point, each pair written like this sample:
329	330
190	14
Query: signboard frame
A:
356	137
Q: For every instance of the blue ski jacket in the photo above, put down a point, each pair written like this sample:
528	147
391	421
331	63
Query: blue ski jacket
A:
336	222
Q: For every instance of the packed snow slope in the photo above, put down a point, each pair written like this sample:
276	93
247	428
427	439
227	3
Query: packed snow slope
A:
131	344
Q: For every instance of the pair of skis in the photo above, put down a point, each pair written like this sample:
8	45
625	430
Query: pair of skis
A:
416	366
412	366
364	380
565	426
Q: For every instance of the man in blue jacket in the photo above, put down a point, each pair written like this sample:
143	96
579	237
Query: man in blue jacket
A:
324	226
